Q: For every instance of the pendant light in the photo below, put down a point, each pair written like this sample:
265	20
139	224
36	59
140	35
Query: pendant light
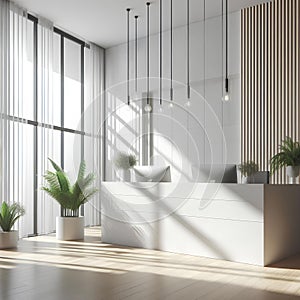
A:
148	107
128	49
160	53
171	54
136	55
188	53
226	96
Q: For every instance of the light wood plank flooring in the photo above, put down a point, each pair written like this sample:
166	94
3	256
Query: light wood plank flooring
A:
43	268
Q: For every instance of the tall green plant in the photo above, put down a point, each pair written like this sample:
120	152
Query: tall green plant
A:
9	214
289	155
70	197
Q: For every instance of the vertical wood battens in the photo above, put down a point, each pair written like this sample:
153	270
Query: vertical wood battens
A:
270	41
257	102
279	78
247	89
270	77
290	68
275	81
253	112
242	83
248	94
294	70
296	64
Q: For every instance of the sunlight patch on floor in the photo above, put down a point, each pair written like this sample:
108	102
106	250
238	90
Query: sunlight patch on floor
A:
93	256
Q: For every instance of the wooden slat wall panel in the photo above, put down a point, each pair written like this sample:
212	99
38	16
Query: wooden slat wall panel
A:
270	80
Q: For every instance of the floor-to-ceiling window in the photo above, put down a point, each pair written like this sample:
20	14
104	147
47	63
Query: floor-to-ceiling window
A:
45	115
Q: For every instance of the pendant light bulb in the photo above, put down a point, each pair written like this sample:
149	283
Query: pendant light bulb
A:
148	108
171	105
160	108
127	108
226	97
188	104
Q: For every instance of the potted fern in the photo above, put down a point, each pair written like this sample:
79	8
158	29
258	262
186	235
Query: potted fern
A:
70	225
248	169
124	163
289	157
9	214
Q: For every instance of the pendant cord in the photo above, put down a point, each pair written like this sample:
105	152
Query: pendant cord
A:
204	72
188	49
128	49
136	53
171	52
226	46
148	52
160	51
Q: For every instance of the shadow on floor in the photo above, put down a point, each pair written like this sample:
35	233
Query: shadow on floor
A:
292	262
56	283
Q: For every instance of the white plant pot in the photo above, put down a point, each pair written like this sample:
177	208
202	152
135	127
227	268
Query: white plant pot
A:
9	239
293	173
69	228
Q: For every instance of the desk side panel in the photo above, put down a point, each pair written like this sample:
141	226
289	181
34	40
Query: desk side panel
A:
281	222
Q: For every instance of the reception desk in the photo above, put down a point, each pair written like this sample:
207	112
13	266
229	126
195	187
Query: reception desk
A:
256	224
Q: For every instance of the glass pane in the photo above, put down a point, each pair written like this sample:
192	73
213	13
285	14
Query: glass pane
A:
48	208
56	80
27	172
21	173
21	67
28	85
72	85
72	154
45	75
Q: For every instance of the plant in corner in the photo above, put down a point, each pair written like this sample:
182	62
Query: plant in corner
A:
289	157
248	169
70	226
9	214
124	162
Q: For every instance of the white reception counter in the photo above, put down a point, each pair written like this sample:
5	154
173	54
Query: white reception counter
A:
256	224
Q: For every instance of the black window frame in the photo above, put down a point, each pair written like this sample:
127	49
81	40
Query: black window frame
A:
63	35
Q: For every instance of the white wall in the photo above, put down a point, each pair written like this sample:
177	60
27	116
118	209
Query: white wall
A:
206	132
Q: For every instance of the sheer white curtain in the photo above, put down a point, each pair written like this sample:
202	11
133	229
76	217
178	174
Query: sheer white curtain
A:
47	208
18	146
16	134
93	125
18	105
4	93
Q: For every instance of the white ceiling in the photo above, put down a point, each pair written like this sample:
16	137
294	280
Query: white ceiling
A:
104	21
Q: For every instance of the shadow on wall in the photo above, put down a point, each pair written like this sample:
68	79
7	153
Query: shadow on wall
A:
141	235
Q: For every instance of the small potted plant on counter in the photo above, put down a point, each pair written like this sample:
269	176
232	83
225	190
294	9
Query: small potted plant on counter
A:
124	163
9	214
289	157
248	169
70	226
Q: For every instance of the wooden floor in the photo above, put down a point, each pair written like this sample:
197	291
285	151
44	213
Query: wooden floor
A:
43	268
